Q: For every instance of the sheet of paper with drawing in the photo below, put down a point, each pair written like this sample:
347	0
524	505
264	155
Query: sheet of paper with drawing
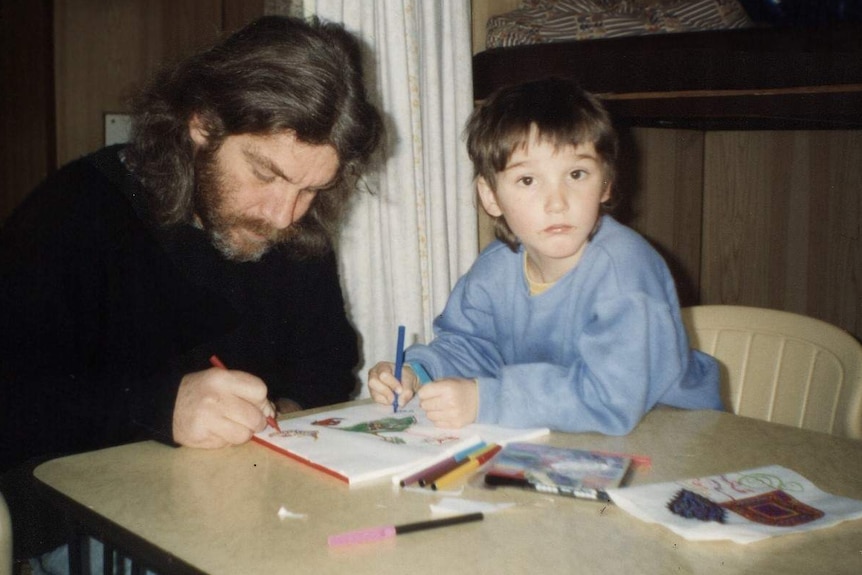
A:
366	442
743	506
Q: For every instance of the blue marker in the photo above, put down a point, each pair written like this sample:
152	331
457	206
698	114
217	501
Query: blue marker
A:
420	372
399	364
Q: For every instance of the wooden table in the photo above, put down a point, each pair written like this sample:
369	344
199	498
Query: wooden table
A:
188	511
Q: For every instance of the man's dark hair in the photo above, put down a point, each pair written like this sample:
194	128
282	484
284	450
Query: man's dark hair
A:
277	74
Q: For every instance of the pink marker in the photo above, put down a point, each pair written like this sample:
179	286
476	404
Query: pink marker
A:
387	531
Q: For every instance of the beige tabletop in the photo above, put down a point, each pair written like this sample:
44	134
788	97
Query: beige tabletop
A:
218	510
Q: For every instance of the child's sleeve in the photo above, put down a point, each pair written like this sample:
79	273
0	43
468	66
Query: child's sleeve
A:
461	346
625	360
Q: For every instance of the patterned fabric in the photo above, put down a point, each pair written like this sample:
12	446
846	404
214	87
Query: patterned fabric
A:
541	21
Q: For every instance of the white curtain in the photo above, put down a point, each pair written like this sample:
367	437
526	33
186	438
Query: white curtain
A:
403	248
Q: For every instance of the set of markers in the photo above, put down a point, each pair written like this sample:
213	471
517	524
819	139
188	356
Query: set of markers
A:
453	469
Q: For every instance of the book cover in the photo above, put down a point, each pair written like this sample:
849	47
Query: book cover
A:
558	470
366	442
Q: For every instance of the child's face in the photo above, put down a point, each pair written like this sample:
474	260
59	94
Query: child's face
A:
550	198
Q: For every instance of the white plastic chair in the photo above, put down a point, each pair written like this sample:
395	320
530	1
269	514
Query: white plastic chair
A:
5	538
783	367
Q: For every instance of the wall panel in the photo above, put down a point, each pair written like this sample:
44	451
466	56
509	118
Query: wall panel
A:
663	172
104	50
26	99
781	222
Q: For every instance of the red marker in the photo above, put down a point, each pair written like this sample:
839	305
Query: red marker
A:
216	362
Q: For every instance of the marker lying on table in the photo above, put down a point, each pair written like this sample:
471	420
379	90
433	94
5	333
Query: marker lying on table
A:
473	462
434	472
216	362
577	492
444	462
399	363
387	531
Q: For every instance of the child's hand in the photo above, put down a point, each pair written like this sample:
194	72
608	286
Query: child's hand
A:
450	403
383	386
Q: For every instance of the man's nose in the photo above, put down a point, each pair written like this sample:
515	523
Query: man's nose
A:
282	208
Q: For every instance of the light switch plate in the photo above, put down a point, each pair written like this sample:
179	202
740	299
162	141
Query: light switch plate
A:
117	128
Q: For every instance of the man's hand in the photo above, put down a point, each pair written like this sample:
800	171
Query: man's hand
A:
219	407
450	403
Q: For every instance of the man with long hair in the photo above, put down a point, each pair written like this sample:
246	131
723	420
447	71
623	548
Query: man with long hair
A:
209	234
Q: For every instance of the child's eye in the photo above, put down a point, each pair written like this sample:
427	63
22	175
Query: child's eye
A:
578	174
526	180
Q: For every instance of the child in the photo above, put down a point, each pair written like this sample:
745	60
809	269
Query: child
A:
570	320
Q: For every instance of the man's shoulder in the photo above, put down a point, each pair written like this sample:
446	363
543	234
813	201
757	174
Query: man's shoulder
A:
88	178
80	199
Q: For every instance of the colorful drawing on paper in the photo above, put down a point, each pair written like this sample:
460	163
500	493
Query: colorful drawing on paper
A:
383	425
691	505
775	508
294	433
328	422
378	427
768	480
745	497
388	425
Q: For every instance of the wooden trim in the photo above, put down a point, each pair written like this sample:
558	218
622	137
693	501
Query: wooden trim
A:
830	89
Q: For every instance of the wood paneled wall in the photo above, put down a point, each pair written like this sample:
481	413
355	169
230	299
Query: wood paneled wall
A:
26	99
65	63
782	222
660	184
106	50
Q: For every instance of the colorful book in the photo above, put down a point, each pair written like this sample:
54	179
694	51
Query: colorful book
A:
558	470
366	442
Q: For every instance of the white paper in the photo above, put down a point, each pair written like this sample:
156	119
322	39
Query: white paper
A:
650	503
361	456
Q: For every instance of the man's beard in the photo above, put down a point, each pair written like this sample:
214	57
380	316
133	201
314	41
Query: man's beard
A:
226	230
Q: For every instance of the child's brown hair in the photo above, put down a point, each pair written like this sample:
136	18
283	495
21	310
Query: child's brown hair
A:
561	113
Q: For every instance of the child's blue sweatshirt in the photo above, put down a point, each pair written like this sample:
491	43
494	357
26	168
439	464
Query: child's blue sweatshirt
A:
595	352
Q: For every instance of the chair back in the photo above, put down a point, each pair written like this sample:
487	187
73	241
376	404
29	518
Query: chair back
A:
783	367
6	560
